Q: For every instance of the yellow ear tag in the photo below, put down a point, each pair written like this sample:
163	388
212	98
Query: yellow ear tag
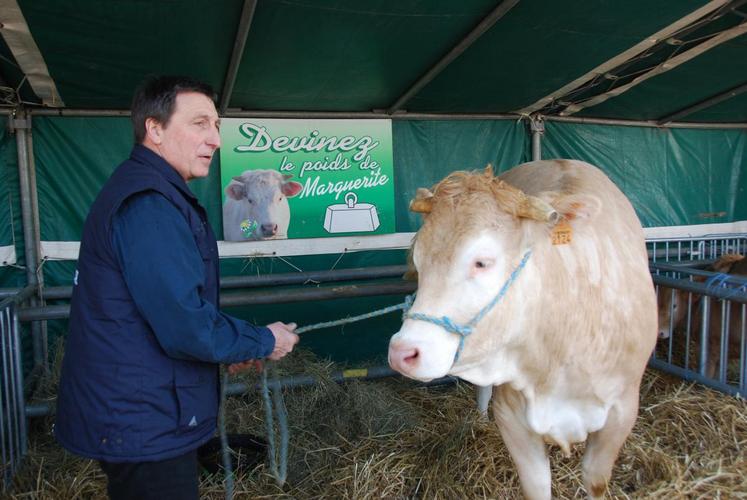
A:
562	233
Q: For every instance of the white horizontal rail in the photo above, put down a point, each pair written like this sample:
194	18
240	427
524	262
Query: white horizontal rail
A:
68	250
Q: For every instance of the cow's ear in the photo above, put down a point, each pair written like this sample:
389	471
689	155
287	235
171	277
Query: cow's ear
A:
726	261
236	191
423	201
488	171
582	207
291	188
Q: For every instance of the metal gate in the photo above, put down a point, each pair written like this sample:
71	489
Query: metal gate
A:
12	407
702	311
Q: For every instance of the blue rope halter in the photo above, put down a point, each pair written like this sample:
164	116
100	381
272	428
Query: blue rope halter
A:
466	329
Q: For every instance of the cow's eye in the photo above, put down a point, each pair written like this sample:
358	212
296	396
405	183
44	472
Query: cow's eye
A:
280	198
251	202
483	263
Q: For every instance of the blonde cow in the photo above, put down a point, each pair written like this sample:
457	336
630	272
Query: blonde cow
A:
535	282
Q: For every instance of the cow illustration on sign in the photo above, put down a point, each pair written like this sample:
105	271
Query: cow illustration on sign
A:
256	206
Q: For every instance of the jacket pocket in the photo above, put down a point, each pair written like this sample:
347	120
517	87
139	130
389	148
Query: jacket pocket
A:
196	386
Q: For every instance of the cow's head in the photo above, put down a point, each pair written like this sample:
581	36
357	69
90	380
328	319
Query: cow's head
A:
672	304
264	195
475	231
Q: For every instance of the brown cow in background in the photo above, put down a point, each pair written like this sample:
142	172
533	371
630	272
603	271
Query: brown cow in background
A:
673	306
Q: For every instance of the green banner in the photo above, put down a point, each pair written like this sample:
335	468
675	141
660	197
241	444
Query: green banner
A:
306	178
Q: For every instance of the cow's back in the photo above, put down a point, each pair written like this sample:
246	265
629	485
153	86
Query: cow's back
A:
597	297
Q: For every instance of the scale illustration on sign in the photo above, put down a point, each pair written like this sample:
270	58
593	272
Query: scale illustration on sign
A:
351	216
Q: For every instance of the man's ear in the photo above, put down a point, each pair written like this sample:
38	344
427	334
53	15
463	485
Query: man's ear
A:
154	130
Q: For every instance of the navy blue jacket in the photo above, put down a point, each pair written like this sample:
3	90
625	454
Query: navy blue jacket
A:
140	374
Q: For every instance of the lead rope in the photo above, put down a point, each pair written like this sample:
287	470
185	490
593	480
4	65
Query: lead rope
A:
280	472
227	467
277	396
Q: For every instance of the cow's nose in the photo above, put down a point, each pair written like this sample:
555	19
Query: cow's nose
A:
269	229
403	357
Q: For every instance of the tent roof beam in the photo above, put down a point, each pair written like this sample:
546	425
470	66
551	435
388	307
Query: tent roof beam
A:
17	35
663	67
239	43
704	104
623	57
456	51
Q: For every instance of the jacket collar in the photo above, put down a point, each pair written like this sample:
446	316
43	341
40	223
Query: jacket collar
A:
142	154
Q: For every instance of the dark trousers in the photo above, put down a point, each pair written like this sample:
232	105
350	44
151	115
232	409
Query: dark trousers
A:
171	479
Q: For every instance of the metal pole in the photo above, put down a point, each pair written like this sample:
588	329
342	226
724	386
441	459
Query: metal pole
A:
247	13
689	375
6	452
743	350
20	126
357	273
724	344
238	388
704	333
78	112
232	282
538	129
706	103
639	123
258	297
44	339
19	379
403	116
722	293
484	393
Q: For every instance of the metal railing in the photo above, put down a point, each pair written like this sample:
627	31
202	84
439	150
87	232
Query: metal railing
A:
13	434
709	247
702	312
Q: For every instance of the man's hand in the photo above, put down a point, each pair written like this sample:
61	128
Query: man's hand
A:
285	339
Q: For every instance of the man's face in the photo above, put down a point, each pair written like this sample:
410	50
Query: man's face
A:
191	136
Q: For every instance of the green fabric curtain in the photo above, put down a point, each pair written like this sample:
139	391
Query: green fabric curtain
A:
672	177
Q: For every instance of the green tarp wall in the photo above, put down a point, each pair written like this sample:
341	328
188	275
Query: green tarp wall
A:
673	177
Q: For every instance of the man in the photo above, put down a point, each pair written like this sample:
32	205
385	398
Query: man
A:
139	389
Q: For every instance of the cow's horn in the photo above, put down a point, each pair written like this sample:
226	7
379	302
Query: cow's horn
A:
537	209
423	201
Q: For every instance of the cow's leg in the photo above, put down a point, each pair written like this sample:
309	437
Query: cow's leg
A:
603	446
527	449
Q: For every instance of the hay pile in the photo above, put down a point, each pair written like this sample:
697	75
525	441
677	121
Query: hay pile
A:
396	439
